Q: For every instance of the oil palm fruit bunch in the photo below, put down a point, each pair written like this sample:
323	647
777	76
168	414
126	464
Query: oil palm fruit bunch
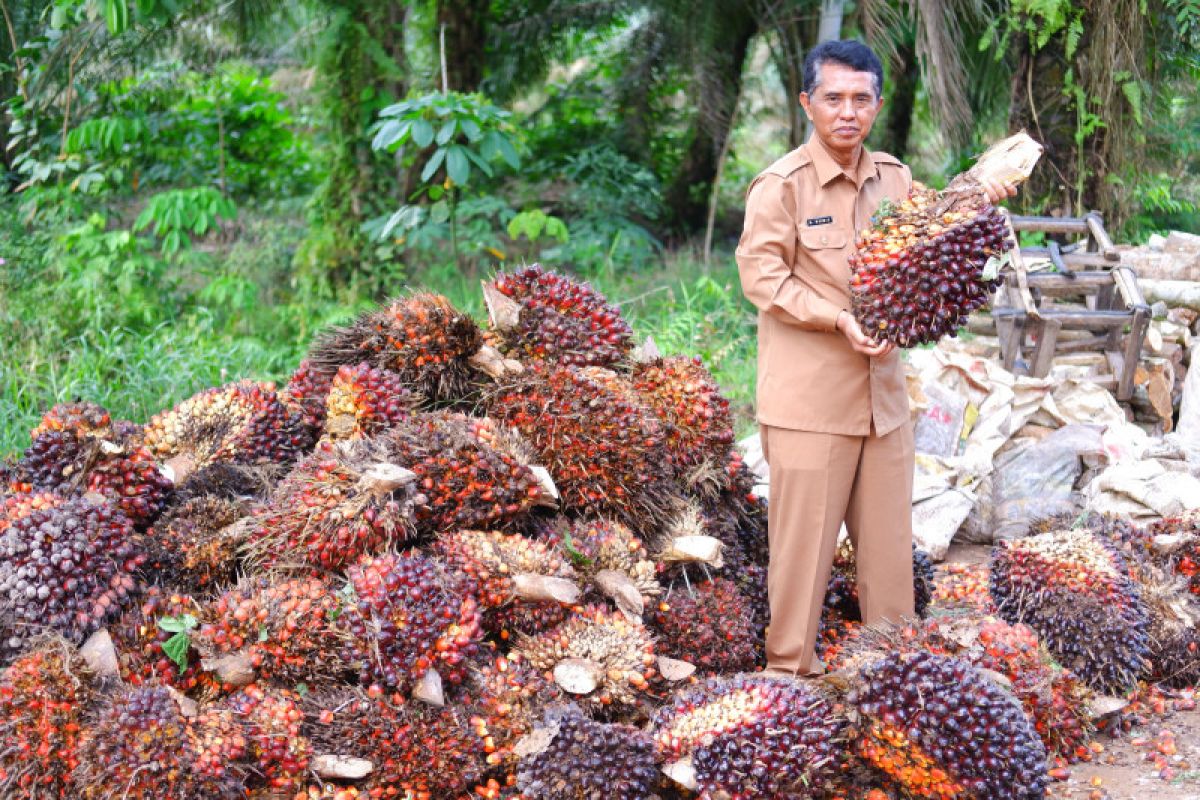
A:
750	736
243	423
587	760
192	547
938	727
343	501
414	749
609	555
1174	629
409	615
422	338
271	721
280	630
683	394
540	315
604	452
140	746
363	400
709	625
306	393
67	565
841	596
43	695
139	636
599	655
919	270
1074	590
468	474
507	696
1183	555
83	418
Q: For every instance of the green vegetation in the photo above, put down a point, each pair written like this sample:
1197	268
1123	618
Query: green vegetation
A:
192	189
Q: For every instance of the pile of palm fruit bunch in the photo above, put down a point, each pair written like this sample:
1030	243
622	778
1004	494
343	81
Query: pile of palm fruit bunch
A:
925	263
447	560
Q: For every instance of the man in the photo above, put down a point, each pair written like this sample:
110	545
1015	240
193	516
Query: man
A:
832	405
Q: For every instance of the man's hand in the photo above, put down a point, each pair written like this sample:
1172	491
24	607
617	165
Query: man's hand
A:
847	325
997	191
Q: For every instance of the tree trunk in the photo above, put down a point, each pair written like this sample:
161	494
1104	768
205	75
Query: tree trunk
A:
906	77
832	12
465	23
1039	106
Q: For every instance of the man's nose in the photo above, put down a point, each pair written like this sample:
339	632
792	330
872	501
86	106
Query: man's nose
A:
846	109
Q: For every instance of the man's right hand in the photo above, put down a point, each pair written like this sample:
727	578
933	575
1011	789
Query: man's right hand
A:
847	325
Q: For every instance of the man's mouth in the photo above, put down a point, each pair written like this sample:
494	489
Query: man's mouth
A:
846	131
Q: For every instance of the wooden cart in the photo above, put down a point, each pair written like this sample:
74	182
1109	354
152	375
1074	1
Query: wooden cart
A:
1028	326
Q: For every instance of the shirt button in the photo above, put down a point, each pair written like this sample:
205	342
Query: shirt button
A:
824	240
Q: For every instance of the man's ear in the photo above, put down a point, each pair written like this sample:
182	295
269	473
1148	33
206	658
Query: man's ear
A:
804	101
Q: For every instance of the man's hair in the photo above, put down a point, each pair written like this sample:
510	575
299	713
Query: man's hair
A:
847	52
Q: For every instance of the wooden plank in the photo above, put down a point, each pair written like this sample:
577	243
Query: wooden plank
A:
1133	350
1076	281
1127	283
1049	224
1072	259
1095	227
1047	336
1088	345
1076	319
1055	253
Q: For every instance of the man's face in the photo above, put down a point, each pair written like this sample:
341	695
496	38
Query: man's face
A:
843	106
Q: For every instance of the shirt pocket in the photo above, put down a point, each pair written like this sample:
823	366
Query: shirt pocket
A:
823	254
824	239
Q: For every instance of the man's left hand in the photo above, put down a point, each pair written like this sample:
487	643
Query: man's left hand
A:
997	190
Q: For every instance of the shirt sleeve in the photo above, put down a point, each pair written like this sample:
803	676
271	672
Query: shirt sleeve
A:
765	256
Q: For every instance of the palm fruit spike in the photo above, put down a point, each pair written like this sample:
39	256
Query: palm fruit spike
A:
82	418
271	721
1074	590
604	453
243	423
192	546
502	569
423	338
610	555
280	631
140	746
1176	540
750	737
587	760
409	616
1174	629
709	625
842	593
919	270
422	751
683	394
363	400
139	636
469	475
68	567
544	316
42	697
507	696
306	391
597	654
342	502
941	729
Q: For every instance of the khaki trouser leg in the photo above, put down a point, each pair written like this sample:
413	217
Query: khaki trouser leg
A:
879	521
811	479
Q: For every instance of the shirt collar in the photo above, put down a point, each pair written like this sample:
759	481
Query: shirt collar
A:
828	169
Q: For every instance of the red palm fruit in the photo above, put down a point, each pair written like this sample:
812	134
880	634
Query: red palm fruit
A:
42	698
506	569
963	586
342	502
417	750
271	721
599	655
306	392
599	547
1074	590
242	423
363	401
422	338
555	318
708	624
192	547
605	454
282	631
138	639
409	615
749	737
506	699
682	392
68	566
81	419
469	474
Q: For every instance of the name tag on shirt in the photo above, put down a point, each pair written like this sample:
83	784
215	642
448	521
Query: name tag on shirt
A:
812	222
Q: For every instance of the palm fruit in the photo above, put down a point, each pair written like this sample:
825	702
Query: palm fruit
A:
919	270
363	400
841	595
941	729
138	639
506	697
68	566
468	474
306	392
281	631
683	394
416	750
588	760
597	654
42	697
409	615
81	419
750	736
243	423
544	316
963	587
342	502
709	625
1073	589
609	555
422	338
270	720
191	547
604	453
141	747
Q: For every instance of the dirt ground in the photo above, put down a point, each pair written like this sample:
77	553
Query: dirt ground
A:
1157	759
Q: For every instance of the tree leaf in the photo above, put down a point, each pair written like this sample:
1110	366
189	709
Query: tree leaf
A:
471	128
439	212
422	132
479	161
433	164
177	648
184	622
508	152
458	166
447	131
116	16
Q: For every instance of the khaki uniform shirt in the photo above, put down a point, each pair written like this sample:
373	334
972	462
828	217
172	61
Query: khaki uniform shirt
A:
802	214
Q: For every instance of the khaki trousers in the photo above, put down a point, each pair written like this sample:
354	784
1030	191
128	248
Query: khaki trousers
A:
819	480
